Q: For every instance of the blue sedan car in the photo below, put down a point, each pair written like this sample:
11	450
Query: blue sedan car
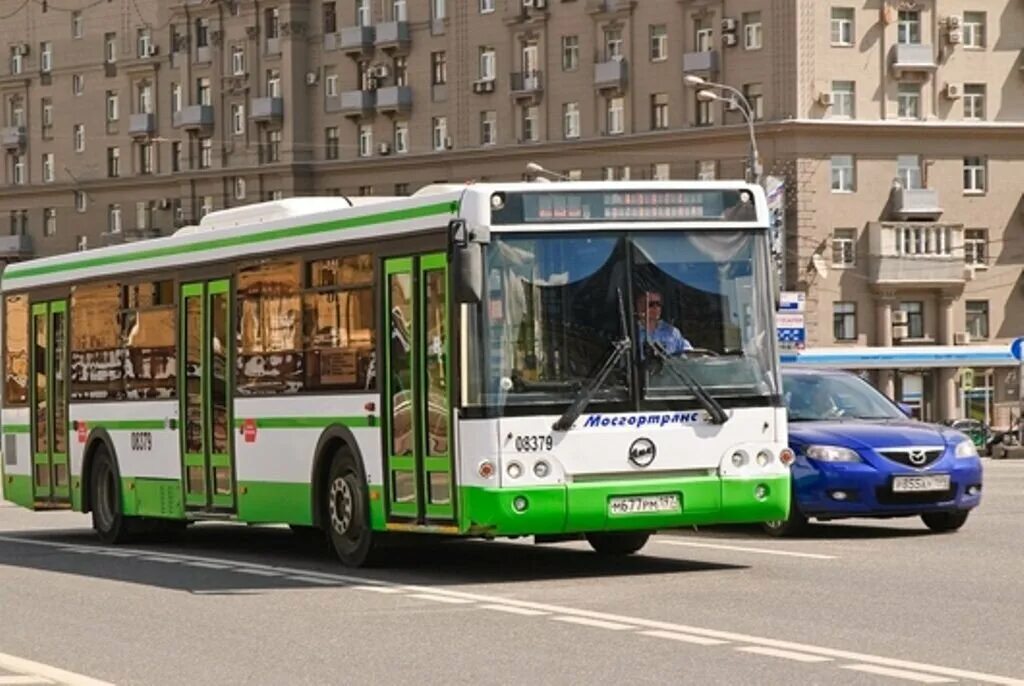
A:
859	455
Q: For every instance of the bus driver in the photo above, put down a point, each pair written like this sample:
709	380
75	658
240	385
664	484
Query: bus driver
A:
653	328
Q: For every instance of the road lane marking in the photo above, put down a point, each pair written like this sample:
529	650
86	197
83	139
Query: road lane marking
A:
440	598
24	680
378	586
900	674
599	623
513	610
784	654
684	638
12	663
746	549
314	580
208	565
256	572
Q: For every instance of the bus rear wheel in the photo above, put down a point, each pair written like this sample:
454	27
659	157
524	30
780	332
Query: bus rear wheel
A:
347	512
618	544
108	519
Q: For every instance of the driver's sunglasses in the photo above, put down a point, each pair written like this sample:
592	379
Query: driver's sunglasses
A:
653	303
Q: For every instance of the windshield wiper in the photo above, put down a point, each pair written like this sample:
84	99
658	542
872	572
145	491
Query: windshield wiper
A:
621	347
718	415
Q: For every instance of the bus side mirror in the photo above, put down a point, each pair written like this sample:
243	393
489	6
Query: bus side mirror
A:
466	255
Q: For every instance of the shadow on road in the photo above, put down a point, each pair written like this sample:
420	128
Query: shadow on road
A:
220	555
814	530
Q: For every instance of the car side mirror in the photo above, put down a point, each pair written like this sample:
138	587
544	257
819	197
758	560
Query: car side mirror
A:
906	409
466	256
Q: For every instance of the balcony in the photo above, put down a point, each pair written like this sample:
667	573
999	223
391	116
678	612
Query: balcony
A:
15	247
351	103
142	124
705	61
911	58
919	203
527	84
611	75
392	35
194	117
353	40
610	6
266	109
12	137
916	255
394	99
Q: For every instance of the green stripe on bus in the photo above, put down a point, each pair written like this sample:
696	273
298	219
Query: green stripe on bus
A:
126	424
306	422
15	428
14	272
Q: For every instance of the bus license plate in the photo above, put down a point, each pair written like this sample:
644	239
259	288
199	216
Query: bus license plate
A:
643	504
918	484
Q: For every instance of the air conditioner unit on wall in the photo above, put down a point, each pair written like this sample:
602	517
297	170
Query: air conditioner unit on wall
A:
729	39
483	86
956	36
384	148
899	317
953	21
954	90
22	48
826	98
962	338
728	24
311	78
381	71
540	4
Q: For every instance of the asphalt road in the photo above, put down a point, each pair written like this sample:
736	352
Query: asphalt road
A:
851	603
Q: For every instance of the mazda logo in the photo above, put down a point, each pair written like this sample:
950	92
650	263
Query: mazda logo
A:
642	452
917	457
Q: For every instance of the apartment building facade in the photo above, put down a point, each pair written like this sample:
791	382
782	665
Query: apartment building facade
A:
895	124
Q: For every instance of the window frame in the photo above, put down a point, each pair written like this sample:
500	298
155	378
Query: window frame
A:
850	176
845	241
840	25
975	172
753	29
844	321
981	316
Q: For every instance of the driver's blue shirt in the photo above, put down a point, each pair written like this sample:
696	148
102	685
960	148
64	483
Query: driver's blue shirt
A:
667	336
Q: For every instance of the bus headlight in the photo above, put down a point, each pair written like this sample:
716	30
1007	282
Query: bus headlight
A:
514	470
966	449
764	458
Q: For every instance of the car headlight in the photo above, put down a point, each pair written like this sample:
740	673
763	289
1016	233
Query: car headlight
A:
966	449
831	453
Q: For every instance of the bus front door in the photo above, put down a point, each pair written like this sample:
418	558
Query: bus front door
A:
416	384
206	354
51	484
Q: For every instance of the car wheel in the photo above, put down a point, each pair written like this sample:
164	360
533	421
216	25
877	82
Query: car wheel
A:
794	524
347	512
944	522
618	544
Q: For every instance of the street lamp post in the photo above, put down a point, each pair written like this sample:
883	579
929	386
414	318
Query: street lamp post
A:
739	101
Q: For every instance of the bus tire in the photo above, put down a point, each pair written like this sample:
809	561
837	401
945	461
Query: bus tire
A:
108	519
347	511
793	525
618	544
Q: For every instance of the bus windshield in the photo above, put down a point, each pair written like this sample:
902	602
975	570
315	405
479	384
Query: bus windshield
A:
696	305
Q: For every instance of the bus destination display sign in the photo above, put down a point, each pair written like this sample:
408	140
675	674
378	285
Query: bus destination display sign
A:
599	206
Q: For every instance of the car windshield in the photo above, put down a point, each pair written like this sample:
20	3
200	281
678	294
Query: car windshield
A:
557	305
822	397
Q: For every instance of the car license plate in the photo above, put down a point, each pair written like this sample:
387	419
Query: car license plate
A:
644	504
918	484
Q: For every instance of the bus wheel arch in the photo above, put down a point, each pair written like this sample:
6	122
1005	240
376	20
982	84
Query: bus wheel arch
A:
98	438
335	438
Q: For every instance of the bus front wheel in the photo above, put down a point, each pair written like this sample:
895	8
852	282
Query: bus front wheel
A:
618	544
108	518
348	512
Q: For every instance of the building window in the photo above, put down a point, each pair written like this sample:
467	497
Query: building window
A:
439	129
114	218
843	174
703	36
19	169
909	27
843	102
974	101
915	318
438	68
486	6
974	175
46	113
273	22
398	11
488	65
144	97
203	95
615	116
330	15
401	68
46	57
176	97
615	173
974	30
77	25
570	53
16	62
331	85
273	83
976	247
365	140
77	84
530	119
81	201
844	248
113	162
844	321
661	171
438	9
363	13
401	189
754	93
332	143
48	167
705	114
238	60
202	32
205	152
146	158
110	48
659	111
143	42
401	137
707	170
237	119
977	318
908	104
143	215
659	43
176	157
752	31
488	127
908	171
571	120
112	107
273	146
612	44
49	221
78	137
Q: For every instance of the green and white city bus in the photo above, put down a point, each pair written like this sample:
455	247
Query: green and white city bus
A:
473	360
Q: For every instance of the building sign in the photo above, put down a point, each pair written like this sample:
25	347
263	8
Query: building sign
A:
791	331
792	301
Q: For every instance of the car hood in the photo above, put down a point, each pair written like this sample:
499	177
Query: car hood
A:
853	433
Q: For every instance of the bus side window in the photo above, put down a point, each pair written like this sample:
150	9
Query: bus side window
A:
270	358
97	348
16	350
149	326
